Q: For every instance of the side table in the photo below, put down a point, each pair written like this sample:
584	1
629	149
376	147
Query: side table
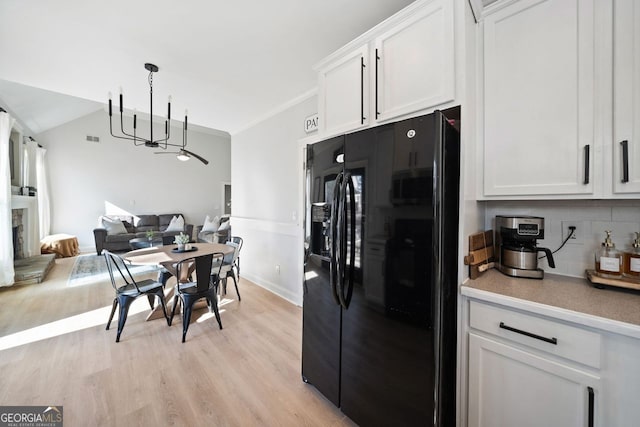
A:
63	245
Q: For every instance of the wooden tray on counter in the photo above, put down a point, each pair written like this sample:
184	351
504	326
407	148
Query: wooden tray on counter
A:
622	282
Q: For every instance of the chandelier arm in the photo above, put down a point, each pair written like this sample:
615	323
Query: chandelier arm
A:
127	137
133	137
162	143
184	132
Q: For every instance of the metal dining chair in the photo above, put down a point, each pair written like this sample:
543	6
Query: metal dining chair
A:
230	264
128	289
187	292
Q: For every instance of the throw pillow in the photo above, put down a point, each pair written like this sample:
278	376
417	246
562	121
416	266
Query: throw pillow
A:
224	226
176	224
211	225
113	226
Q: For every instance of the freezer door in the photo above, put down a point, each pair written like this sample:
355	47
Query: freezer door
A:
321	331
321	314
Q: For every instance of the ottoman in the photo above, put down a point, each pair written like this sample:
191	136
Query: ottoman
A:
63	245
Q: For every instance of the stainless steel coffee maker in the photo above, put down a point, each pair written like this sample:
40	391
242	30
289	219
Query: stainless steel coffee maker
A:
515	245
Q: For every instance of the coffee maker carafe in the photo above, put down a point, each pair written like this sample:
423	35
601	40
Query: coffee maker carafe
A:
515	246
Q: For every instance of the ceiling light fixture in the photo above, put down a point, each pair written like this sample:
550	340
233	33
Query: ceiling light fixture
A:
163	143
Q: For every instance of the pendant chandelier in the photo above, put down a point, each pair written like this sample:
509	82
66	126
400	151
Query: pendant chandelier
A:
163	143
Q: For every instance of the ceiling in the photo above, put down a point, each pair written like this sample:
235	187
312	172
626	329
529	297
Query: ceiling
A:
230	63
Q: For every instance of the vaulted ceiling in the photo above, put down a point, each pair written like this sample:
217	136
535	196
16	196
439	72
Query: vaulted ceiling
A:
229	63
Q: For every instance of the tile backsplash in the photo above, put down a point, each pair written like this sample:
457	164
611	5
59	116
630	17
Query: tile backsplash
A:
592	218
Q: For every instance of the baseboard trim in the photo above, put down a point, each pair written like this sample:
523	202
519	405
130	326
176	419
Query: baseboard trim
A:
273	288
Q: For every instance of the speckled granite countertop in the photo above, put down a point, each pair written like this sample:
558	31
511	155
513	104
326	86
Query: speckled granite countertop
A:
572	299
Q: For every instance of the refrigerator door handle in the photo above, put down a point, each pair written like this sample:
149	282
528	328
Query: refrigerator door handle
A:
352	238
333	252
341	242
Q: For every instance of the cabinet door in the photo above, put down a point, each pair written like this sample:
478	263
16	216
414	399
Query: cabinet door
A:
626	98
344	93
509	387
539	99
415	62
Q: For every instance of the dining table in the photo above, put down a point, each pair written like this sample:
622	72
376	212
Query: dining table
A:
168	256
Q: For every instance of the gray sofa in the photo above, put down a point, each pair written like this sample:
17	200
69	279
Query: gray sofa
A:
136	226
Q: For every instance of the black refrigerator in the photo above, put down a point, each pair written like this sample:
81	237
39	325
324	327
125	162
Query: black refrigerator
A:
380	272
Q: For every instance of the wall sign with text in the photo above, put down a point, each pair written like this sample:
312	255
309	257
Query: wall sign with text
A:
311	123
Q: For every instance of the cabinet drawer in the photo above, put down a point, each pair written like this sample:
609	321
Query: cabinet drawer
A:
559	339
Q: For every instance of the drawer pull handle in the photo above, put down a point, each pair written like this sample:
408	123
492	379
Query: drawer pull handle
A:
586	165
553	340
362	67
625	161
591	406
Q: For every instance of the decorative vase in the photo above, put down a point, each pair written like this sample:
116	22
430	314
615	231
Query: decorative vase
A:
181	246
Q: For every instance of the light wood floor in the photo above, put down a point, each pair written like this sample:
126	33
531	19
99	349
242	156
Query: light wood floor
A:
54	350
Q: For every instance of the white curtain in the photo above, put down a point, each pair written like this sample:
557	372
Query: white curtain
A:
7	272
42	185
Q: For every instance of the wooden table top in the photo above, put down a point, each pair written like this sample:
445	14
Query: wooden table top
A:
161	255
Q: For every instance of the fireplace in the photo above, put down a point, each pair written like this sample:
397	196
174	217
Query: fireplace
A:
17	224
24	216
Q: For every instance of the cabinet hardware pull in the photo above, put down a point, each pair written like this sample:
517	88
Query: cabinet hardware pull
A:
625	161
586	164
362	67
377	59
591	405
553	340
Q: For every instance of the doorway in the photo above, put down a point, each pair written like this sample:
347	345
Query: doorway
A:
226	198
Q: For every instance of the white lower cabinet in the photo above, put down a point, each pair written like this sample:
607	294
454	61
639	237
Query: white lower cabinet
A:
510	387
526	369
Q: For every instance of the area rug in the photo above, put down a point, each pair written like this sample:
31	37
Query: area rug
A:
93	268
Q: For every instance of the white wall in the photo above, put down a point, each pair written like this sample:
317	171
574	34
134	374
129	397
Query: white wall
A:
592	217
86	178
267	200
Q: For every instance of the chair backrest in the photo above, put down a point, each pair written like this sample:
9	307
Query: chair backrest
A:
237	240
168	240
117	263
203	269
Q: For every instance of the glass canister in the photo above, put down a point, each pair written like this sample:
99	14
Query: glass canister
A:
608	259
631	261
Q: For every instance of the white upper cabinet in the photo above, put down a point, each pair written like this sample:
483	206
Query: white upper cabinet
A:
626	97
343	100
415	62
404	65
539	99
560	101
